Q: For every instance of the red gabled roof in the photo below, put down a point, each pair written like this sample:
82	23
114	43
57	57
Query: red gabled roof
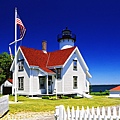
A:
10	80
59	57
115	88
45	60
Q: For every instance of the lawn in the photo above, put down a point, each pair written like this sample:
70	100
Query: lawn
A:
44	105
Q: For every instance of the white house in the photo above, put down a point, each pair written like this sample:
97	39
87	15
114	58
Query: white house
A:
115	92
60	72
6	87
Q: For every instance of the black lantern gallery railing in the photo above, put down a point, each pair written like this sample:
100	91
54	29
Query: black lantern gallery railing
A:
66	34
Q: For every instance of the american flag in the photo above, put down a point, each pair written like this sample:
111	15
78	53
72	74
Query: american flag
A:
21	26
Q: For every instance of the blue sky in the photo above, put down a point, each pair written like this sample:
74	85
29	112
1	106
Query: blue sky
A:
96	24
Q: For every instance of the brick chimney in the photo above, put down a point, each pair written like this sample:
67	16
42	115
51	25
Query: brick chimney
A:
44	46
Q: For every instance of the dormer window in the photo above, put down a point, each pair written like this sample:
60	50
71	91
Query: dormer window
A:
75	65
58	73
20	65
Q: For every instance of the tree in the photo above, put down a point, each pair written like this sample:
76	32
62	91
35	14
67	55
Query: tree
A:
5	64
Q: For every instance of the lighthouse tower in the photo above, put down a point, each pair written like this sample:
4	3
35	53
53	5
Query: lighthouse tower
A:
66	39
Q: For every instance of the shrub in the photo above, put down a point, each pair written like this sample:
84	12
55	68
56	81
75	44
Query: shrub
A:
52	98
76	97
45	97
64	97
107	92
100	93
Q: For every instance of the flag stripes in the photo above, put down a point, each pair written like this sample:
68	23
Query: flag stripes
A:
21	26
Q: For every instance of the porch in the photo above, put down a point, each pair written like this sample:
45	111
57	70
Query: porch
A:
47	85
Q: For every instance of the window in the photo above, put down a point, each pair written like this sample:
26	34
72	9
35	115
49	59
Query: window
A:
21	65
58	73
74	82
42	82
20	83
74	64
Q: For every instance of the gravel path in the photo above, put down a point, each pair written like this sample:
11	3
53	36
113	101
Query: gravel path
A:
29	116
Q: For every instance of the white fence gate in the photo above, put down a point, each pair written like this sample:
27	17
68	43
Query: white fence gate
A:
109	113
4	104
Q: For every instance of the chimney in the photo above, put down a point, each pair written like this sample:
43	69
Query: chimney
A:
44	46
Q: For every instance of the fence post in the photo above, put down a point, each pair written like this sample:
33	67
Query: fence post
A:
99	117
109	111
77	113
117	118
114	111
68	113
118	111
111	118
103	111
56	113
89	117
61	112
80	115
72	113
105	117
87	111
94	117
93	111
93	114
98	111
64	114
4	104
82	111
85	116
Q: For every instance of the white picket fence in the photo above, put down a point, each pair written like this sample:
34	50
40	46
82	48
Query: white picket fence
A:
104	113
4	105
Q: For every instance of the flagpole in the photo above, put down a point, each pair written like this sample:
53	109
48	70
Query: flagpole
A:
15	56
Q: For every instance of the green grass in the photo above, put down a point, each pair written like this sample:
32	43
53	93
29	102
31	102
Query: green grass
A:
45	105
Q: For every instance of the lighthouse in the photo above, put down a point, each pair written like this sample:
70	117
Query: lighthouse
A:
66	39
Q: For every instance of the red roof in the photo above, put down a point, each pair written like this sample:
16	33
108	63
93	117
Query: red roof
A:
10	80
115	88
45	60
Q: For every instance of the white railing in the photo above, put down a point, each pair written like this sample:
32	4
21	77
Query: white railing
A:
4	104
104	113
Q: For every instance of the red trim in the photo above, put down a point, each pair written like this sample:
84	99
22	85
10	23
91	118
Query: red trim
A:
10	80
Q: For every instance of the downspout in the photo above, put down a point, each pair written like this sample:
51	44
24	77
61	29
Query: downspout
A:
47	83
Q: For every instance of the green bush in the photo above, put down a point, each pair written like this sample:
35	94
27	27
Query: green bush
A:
64	97
76	97
106	92
45	97
52	98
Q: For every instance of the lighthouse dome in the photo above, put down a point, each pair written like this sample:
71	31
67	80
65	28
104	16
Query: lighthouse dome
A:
66	39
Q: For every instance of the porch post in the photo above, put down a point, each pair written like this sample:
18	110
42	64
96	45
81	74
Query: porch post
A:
56	87
30	83
47	84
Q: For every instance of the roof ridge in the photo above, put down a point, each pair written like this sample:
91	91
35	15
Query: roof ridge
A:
52	51
48	59
63	49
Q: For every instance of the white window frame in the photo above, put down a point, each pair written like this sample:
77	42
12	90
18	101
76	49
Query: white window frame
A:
20	65
75	65
42	82
58	73
20	83
75	82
